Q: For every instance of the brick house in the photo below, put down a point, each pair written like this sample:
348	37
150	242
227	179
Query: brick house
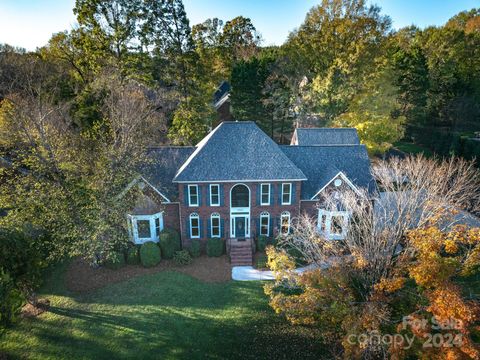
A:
238	184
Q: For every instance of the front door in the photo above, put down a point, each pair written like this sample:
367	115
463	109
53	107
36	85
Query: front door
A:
240	227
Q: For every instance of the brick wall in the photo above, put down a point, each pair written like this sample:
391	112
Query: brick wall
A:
204	211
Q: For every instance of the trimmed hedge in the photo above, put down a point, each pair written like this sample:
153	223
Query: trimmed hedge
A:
149	254
182	257
214	247
262	242
194	248
133	257
169	243
115	261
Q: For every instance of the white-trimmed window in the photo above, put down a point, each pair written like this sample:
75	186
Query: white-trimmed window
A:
145	228
193	195
214	195
333	224
286	194
215	225
194	226
285	223
265	224
265	194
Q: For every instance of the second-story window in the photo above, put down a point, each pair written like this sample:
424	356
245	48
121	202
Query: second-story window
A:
214	195
286	194
193	195
265	194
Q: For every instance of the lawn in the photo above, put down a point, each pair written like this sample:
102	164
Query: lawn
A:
411	148
166	315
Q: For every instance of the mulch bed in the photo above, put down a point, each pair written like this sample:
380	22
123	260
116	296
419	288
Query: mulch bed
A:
81	277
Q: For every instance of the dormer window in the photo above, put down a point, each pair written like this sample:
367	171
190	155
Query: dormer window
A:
192	195
286	194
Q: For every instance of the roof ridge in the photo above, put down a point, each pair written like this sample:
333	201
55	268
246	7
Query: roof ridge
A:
327	128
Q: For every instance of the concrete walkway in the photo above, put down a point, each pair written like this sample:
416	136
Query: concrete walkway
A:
248	273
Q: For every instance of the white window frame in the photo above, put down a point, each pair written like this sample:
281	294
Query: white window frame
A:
190	203
264	215
262	193
218	194
328	223
154	234
215	216
190	218
285	214
289	194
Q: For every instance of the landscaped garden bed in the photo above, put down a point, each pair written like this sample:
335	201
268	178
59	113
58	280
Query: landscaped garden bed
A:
81	277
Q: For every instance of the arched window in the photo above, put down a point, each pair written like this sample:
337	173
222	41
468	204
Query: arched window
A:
240	196
265	224
285	223
194	226
215	225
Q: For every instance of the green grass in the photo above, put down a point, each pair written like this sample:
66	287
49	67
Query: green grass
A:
411	148
166	315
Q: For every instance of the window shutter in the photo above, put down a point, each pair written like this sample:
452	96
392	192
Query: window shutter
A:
185	194
258	226
259	186
209	227
222	227
187	228
270	227
272	190
208	195
279	194
221	195
200	194
293	193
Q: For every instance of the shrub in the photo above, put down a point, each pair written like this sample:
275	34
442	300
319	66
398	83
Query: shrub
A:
150	254
11	300
262	242
194	248
261	262
182	257
169	242
115	260
132	256
214	247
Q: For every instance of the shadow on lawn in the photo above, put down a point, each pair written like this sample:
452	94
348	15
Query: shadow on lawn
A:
169	315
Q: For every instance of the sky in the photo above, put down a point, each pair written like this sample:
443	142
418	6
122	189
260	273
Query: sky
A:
30	23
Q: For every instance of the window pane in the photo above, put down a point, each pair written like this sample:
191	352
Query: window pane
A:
194	227
157	225
214	195
285	224
193	192
240	196
265	190
337	225
286	193
143	229
215	226
264	225
323	222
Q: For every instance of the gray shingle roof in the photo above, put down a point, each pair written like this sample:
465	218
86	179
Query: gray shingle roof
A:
236	151
162	165
326	136
321	163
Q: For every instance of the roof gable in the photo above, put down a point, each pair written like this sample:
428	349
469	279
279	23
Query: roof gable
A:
238	151
325	136
321	164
